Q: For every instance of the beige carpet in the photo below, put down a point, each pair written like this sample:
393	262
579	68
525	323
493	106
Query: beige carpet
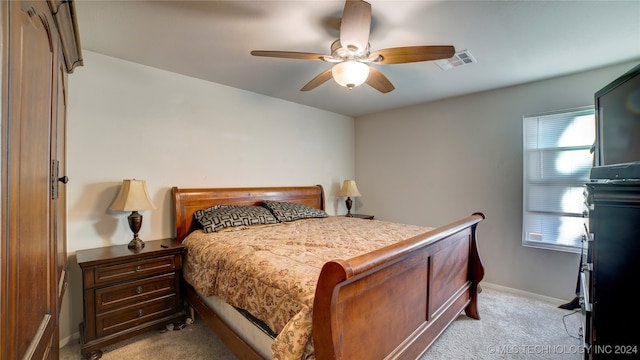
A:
511	327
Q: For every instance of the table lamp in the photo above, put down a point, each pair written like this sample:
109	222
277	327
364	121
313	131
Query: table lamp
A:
133	197
348	190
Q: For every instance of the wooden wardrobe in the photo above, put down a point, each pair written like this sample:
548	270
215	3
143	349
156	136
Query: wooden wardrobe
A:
40	46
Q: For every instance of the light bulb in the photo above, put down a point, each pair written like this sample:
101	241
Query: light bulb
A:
350	73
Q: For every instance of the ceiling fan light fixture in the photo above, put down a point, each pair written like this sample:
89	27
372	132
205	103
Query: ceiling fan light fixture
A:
350	73
351	53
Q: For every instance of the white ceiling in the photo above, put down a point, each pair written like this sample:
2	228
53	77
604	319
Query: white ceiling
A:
513	42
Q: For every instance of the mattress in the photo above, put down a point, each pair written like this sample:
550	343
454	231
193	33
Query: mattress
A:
271	270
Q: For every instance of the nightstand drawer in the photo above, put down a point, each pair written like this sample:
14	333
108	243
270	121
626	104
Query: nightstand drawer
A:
121	295
136	314
135	269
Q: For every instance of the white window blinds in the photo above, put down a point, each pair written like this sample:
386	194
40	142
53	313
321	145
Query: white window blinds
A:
556	165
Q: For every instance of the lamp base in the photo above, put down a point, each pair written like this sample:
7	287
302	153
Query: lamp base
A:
135	222
349	202
136	244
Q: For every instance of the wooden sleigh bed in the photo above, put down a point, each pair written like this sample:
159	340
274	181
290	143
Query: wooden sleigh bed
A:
411	290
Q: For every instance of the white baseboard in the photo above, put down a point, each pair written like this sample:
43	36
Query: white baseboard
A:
531	295
68	339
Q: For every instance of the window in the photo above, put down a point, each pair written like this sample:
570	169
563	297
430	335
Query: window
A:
556	164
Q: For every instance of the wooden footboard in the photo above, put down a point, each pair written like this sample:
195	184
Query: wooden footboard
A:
394	302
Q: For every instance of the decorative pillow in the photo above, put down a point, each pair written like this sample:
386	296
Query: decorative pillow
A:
287	211
226	216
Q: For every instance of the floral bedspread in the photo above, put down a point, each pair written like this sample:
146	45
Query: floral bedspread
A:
271	271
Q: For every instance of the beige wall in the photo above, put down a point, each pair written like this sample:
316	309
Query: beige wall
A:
131	121
427	164
433	163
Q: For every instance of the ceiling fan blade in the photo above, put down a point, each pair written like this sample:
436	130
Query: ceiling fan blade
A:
289	55
318	80
378	81
409	54
355	25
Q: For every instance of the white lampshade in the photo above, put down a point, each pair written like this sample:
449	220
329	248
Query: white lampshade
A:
133	196
349	189
350	73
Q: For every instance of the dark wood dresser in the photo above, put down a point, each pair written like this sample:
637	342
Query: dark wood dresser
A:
611	270
128	292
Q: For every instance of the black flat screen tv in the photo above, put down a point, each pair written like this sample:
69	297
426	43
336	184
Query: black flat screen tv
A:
617	147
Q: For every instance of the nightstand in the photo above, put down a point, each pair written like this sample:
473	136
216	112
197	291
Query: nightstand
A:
128	292
363	216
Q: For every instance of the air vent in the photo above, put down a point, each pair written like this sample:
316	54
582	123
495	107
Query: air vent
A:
460	58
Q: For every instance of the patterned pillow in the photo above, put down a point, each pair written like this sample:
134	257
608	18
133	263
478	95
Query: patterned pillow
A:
287	211
226	216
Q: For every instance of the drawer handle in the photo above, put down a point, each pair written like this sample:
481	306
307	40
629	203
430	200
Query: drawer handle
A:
140	313
138	268
139	290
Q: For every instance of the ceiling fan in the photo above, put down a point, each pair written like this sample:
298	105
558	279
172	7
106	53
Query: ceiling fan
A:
351	54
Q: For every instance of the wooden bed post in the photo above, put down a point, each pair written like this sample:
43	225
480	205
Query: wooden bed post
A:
476	273
332	273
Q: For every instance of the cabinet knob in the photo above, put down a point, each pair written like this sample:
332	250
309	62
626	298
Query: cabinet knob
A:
138	268
140	313
139	290
64	179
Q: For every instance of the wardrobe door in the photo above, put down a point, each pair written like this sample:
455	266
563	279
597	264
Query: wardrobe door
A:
39	46
31	305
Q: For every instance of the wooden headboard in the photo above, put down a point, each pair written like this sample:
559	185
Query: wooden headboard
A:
188	201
